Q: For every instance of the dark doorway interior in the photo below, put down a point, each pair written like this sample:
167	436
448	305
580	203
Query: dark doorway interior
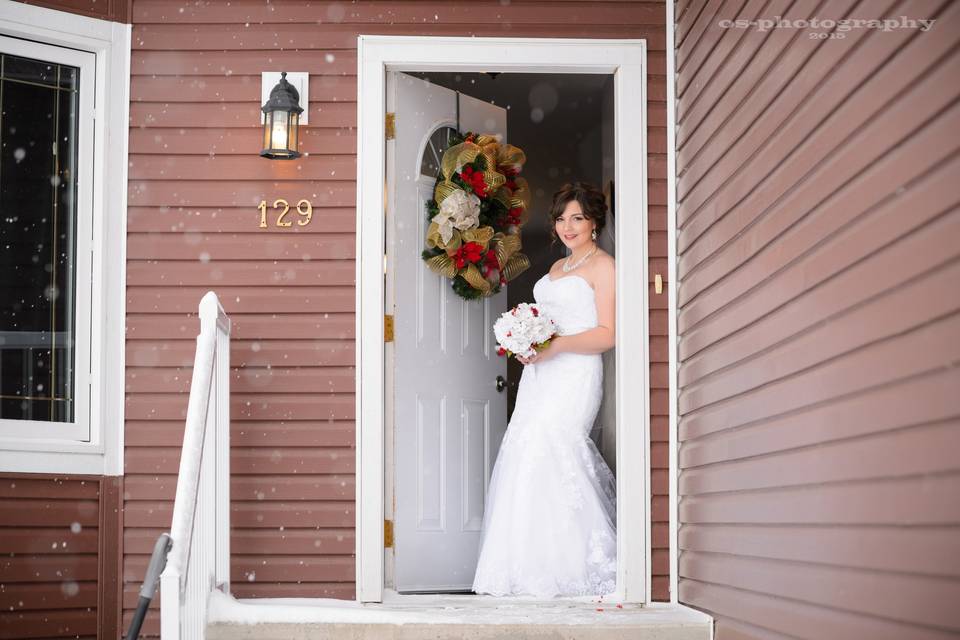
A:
565	125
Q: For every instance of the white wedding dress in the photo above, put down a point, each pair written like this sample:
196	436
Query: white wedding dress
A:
549	523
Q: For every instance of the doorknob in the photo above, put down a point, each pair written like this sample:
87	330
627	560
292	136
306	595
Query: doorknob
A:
501	383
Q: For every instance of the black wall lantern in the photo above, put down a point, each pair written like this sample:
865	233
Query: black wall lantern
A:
281	121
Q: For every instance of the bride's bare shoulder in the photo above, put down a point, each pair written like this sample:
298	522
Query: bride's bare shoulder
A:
604	269
605	262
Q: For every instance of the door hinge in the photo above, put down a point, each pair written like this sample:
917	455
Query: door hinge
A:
387	533
387	328
389	125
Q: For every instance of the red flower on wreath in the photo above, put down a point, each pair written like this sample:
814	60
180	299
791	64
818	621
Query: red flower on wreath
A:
469	252
490	262
475	180
510	218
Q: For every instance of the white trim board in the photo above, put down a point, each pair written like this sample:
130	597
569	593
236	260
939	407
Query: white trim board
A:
673	452
626	60
110	44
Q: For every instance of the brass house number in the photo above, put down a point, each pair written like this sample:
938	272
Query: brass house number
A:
304	208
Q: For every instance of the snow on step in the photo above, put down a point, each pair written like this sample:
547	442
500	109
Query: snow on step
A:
473	617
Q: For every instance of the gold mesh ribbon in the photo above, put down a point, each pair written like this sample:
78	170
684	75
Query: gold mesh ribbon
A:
503	196
480	235
443	265
457	156
443	189
490	149
512	262
434	239
510	157
465	153
472	275
506	246
521	198
517	264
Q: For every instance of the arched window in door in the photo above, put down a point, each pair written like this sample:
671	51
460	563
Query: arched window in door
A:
437	143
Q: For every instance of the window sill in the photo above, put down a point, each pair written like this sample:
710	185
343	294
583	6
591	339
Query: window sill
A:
23	456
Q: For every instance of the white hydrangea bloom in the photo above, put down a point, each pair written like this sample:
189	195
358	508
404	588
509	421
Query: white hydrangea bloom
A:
520	329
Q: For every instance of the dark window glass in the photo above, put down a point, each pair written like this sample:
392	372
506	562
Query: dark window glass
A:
27	70
434	150
38	214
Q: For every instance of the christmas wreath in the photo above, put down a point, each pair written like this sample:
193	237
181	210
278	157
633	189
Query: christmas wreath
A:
479	204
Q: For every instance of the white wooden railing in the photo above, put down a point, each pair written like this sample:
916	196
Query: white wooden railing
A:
199	560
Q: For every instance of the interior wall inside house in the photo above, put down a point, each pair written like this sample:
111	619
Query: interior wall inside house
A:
564	124
607	416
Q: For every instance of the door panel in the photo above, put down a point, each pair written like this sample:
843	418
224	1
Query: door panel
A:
449	417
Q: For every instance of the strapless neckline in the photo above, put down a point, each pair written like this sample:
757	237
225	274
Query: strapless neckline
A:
579	277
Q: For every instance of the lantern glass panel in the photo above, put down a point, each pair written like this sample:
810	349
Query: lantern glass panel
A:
267	129
280	130
294	132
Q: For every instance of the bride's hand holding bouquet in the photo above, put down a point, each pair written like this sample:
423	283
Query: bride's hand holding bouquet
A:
526	333
545	353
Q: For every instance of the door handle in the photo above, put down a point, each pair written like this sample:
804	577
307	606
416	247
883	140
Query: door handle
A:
501	384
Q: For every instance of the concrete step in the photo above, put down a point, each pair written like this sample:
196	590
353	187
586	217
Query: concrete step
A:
466	617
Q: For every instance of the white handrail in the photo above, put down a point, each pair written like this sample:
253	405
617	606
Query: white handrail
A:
199	559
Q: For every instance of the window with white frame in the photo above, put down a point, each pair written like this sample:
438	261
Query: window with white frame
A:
64	100
46	127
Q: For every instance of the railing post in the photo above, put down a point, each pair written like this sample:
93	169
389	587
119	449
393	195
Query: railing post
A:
170	605
199	559
222	575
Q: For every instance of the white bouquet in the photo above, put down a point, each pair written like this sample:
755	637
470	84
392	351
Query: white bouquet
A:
523	330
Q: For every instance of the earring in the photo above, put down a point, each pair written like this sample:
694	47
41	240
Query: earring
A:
593	234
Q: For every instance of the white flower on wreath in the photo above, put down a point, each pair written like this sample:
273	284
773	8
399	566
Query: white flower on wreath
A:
460	210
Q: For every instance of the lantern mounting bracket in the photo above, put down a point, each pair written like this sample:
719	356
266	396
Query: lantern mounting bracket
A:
300	81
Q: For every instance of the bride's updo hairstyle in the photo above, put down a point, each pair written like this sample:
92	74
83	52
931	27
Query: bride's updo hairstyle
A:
592	202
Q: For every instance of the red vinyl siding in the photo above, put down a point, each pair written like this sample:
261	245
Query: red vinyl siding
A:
59	546
818	322
114	10
195	183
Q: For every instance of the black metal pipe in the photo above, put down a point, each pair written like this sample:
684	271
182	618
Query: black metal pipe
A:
142	605
158	560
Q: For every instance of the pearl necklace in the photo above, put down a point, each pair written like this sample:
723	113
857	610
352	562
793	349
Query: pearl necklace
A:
567	268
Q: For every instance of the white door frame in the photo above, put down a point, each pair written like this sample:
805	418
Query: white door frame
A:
626	59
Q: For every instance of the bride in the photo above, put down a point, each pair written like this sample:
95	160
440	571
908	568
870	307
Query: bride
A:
549	523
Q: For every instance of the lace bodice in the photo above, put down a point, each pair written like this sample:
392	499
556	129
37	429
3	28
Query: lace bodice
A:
569	301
